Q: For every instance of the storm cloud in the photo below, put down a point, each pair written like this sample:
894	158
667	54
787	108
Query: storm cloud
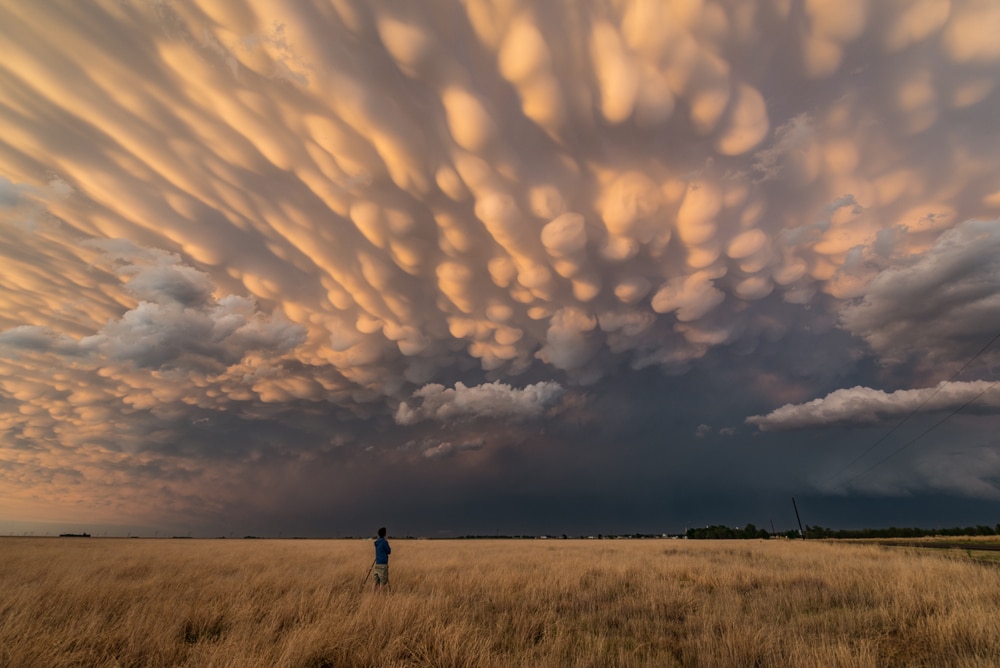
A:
250	241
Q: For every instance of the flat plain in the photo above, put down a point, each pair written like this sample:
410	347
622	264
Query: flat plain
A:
493	603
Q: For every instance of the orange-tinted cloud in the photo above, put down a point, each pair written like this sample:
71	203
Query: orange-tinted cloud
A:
329	207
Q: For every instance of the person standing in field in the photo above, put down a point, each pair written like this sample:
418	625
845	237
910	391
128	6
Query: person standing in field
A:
382	551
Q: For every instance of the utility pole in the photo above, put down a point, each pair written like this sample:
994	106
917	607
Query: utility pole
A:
798	519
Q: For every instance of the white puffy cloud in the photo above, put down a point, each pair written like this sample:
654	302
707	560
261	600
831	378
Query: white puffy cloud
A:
489	400
864	405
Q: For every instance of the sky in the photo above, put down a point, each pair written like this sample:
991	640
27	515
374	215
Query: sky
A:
498	266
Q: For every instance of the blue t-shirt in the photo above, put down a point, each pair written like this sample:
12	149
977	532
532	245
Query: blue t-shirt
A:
382	551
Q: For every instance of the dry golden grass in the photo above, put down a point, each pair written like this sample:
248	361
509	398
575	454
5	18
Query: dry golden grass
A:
118	602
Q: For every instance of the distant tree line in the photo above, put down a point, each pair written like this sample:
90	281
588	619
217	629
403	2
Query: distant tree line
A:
719	532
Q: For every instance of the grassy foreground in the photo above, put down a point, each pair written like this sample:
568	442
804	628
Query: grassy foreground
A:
119	602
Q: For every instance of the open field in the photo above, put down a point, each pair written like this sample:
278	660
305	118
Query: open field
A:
119	602
983	549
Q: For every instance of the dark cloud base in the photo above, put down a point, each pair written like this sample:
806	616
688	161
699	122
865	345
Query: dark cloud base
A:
579	514
642	468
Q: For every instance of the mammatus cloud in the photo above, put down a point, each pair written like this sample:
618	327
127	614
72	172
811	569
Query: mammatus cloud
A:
489	400
177	355
863	405
501	234
302	211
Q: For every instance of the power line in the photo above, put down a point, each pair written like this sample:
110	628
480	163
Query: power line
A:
916	410
924	433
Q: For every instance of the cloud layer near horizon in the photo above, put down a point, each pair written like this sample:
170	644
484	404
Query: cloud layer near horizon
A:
409	214
866	405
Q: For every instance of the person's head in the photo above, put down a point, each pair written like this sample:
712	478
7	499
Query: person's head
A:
381	532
